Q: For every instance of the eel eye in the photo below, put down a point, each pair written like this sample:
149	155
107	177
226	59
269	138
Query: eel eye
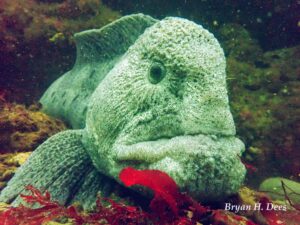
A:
156	72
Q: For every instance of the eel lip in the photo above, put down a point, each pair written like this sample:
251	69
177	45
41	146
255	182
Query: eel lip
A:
153	151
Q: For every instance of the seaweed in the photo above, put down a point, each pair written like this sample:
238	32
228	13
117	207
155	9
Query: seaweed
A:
166	190
276	217
168	207
284	187
25	215
24	128
166	196
250	168
270	216
9	164
114	214
221	217
36	40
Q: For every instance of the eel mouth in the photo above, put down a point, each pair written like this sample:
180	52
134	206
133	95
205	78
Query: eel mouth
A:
151	137
174	147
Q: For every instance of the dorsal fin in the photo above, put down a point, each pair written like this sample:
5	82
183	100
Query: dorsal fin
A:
113	39
98	50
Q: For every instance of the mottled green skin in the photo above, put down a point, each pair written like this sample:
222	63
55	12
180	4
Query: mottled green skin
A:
98	50
181	124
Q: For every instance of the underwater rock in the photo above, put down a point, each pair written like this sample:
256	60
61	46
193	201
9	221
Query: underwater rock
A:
266	109
9	164
23	129
143	93
3	206
58	223
238	43
36	39
249	197
223	217
273	187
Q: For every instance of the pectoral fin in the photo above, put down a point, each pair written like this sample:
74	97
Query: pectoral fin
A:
59	165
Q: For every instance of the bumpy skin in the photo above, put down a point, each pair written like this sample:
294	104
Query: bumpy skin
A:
98	50
162	104
181	125
62	166
51	165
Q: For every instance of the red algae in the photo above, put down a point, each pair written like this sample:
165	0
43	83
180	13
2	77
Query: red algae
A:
168	207
115	214
163	185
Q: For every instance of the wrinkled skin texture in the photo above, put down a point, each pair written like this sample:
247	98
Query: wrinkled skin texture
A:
143	93
164	106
